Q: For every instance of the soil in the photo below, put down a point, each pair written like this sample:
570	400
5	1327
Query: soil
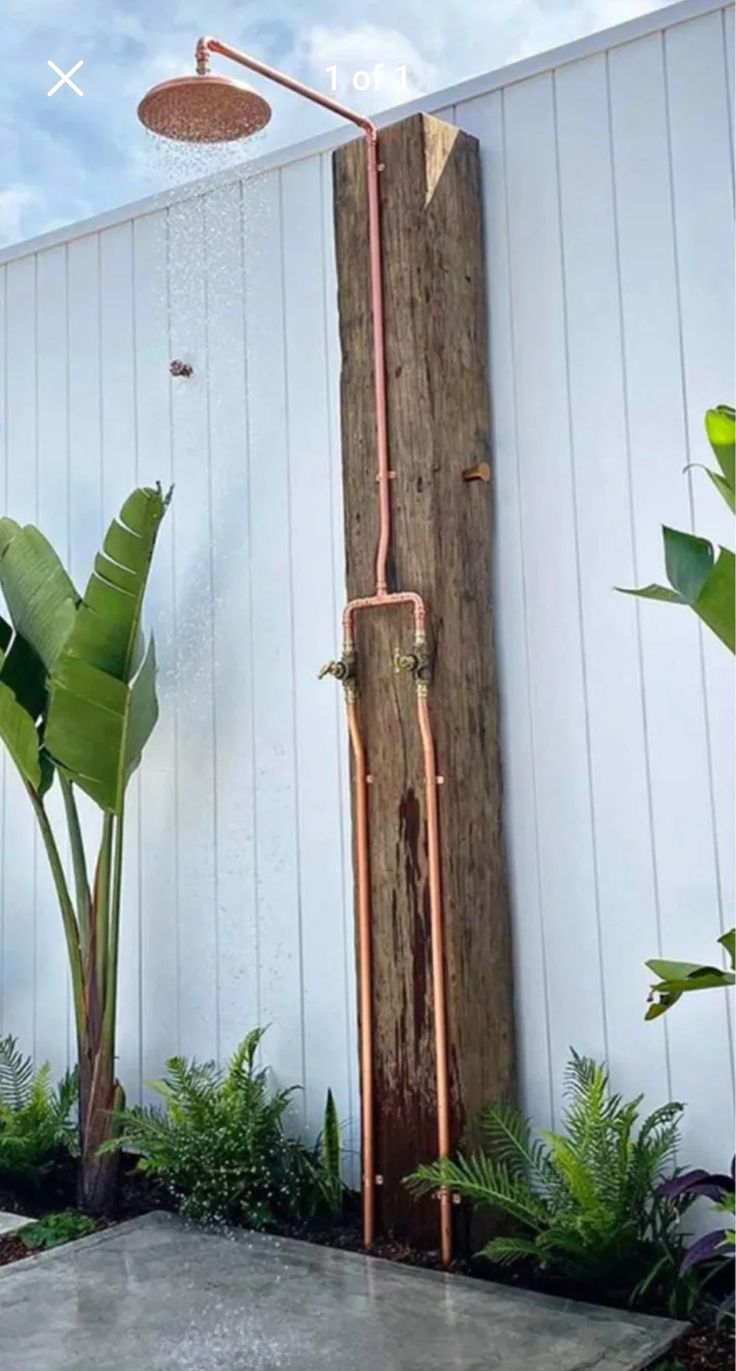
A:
11	1249
705	1348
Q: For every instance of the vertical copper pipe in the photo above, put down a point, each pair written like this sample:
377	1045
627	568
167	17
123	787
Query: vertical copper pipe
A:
379	363
204	47
365	970
438	961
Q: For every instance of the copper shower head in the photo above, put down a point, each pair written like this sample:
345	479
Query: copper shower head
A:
204	109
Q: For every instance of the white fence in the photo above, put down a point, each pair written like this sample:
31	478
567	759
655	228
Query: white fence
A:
608	199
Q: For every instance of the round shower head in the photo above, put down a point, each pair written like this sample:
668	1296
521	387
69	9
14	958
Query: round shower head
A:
204	109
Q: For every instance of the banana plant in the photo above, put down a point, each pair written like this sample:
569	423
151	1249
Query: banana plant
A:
78	703
698	575
706	582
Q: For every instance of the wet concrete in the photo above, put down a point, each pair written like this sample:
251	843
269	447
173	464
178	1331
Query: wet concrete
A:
9	1222
154	1295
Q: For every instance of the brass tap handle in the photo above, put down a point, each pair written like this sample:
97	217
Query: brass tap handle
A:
337	669
405	661
417	663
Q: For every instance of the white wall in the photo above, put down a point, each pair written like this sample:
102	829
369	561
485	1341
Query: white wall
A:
608	198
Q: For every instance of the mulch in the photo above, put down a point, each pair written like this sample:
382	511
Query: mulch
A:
703	1349
11	1249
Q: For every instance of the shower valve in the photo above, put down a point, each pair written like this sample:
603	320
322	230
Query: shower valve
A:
417	663
343	669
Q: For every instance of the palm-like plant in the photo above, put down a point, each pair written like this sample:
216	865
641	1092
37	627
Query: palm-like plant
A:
588	1201
78	701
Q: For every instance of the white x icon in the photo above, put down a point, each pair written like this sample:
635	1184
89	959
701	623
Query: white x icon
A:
65	75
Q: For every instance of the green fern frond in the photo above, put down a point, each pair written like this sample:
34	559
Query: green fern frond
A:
486	1183
509	1137
505	1251
16	1075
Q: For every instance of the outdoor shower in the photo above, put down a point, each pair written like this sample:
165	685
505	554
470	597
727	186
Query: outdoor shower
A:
204	108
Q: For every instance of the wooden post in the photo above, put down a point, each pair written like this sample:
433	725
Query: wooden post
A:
439	425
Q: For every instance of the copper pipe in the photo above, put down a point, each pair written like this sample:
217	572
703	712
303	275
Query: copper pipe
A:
365	967
438	961
435	908
377	601
204	47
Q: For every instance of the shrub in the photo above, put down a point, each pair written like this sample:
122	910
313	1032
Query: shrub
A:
589	1201
54	1229
717	1248
38	1130
219	1146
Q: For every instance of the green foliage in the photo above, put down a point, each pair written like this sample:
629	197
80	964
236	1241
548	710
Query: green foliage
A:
54	1229
37	1128
679	978
102	704
698	575
587	1201
78	700
218	1145
329	1155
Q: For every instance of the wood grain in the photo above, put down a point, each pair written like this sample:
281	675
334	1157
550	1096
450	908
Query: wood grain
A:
439	424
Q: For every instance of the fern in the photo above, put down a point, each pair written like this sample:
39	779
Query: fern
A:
38	1127
587	1200
218	1142
16	1075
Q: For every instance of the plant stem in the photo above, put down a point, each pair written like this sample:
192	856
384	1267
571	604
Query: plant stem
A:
71	929
111	984
102	901
79	862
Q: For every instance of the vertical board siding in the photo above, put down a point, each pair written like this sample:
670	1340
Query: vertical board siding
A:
558	702
51	978
608	200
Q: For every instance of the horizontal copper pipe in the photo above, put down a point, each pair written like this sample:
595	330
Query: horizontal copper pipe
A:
400	597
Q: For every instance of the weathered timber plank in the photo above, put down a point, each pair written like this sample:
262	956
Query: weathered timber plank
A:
439	423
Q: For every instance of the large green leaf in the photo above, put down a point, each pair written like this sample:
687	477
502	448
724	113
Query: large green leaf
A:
720	425
22	699
106	631
40	596
98	726
102	704
715	604
680	978
654	592
699	579
19	735
688	561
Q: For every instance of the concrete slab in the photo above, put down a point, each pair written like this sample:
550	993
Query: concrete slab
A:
10	1222
154	1295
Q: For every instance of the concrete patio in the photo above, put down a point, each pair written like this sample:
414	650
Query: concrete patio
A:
154	1295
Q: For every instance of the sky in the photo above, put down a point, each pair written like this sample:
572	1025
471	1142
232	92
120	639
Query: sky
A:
66	157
